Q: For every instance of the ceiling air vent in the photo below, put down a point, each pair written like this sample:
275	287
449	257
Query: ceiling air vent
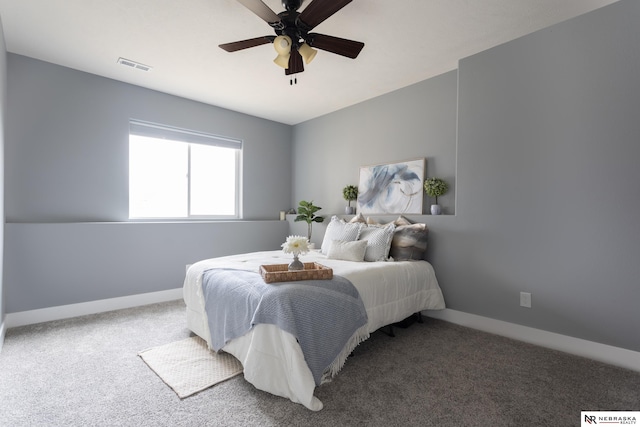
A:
133	64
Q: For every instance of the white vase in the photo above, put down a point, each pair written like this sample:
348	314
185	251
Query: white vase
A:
436	210
349	210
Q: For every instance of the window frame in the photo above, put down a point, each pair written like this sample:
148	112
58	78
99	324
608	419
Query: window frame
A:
190	137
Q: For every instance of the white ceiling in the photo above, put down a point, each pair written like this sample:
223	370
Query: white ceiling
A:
406	41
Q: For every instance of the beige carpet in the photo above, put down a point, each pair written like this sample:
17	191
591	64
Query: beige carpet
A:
188	366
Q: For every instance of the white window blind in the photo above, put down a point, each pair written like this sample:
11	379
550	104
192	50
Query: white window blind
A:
154	130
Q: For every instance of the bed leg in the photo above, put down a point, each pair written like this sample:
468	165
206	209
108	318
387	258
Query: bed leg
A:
420	317
390	333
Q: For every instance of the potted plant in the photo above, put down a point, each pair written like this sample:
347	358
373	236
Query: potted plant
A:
307	213
435	187
350	192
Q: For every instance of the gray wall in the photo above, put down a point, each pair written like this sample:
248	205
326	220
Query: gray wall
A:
67	144
67	189
413	122
546	180
50	264
3	110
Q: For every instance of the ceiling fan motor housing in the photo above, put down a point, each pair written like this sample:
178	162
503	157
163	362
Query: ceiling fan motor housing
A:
292	4
290	25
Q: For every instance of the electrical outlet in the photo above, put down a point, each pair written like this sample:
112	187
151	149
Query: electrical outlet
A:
525	299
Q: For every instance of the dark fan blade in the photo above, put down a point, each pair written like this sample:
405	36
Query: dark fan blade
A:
344	47
245	44
295	63
319	10
260	9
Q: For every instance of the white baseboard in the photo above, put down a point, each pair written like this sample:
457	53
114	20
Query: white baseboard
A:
601	352
73	310
2	332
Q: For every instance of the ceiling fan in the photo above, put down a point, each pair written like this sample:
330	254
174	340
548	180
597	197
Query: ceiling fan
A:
293	41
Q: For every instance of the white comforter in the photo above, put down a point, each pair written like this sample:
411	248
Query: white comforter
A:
272	358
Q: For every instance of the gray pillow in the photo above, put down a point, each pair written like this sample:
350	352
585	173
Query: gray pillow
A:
409	242
348	251
378	241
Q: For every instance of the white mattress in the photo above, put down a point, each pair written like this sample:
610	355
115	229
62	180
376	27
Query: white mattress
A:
272	358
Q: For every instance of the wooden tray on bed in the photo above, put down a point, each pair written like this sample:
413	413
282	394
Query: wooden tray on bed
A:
280	272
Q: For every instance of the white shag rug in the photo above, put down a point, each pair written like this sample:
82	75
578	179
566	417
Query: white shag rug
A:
189	366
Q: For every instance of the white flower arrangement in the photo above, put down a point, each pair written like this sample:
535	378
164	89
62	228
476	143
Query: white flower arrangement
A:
296	245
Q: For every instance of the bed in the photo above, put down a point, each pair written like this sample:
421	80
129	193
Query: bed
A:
272	358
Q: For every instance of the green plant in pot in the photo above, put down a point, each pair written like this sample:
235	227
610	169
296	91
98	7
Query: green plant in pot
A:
435	187
350	193
307	213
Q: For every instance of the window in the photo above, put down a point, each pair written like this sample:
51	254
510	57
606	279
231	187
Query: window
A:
177	173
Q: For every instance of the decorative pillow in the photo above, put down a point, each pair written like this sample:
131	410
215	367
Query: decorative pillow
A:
371	221
358	218
339	229
378	241
402	221
409	242
347	251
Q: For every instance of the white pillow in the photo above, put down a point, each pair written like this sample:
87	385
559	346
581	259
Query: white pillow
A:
347	251
378	241
338	229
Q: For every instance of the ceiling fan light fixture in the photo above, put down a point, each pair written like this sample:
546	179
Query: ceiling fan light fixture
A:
307	52
282	61
282	45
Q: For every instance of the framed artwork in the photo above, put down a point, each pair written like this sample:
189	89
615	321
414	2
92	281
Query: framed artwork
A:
393	188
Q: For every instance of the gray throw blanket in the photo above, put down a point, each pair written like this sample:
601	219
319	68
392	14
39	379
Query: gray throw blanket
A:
323	315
